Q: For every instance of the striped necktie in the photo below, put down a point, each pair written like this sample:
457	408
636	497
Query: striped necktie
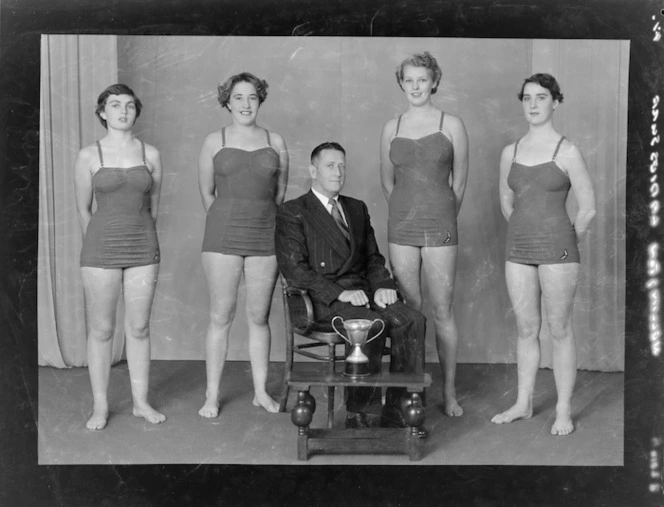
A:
336	214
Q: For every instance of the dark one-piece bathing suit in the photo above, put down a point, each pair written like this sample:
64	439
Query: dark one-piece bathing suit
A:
121	232
422	206
539	230
242	217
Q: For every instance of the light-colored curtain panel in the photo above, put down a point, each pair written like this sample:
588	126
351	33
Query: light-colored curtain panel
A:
74	70
594	77
344	89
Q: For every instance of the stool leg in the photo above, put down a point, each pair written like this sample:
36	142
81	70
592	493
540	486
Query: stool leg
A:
332	351
330	406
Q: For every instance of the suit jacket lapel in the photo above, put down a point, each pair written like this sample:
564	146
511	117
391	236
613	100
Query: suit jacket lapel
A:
324	222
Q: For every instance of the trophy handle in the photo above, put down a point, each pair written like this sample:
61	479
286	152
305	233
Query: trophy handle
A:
379	332
336	330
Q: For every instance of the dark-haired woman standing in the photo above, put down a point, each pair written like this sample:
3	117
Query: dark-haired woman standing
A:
542	256
120	251
243	171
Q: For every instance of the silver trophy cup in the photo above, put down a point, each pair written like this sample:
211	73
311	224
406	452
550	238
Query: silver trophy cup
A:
357	363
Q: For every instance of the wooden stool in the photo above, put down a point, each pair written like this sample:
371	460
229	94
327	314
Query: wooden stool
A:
353	441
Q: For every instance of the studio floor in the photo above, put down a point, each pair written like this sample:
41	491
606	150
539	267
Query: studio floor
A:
244	434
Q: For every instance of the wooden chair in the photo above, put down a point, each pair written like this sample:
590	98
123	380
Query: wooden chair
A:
299	320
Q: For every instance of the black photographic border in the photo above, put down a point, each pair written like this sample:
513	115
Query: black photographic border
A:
23	482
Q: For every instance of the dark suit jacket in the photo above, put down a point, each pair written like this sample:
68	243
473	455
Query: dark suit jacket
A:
313	254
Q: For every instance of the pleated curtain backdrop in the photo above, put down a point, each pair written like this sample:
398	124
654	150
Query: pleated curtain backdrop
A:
599	128
74	70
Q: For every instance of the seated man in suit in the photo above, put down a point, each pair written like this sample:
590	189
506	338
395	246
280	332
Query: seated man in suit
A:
325	243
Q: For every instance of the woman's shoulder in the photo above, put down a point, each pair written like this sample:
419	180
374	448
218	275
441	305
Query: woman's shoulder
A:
569	155
150	151
213	137
452	121
88	152
276	139
508	150
567	147
390	126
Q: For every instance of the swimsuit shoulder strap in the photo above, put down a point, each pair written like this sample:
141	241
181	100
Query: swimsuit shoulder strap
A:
555	153
223	137
267	132
515	145
440	127
398	123
143	152
101	157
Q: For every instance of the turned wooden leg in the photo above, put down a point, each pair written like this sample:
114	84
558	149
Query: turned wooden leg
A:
301	415
413	414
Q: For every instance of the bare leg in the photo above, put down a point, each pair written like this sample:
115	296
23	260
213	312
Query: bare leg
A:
440	267
139	286
223	274
406	265
559	283
260	275
102	289
524	290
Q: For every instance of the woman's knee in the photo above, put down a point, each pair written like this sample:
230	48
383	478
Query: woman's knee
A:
560	330
139	331
221	318
443	312
529	330
258	317
101	331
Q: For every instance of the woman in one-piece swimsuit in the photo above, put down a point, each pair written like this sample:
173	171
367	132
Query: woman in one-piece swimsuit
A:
542	256
120	251
243	172
424	168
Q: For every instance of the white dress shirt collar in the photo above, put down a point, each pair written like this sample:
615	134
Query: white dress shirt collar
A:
325	201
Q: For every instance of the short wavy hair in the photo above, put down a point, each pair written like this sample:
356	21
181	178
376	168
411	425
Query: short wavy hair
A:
421	60
116	89
224	90
545	81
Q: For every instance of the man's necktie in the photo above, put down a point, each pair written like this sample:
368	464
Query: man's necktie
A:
336	214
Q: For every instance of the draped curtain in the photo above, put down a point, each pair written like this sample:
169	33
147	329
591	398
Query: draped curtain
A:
599	128
74	70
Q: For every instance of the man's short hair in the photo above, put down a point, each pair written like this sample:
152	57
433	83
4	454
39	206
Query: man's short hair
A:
329	145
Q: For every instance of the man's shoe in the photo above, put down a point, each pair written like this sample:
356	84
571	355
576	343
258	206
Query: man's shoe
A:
357	421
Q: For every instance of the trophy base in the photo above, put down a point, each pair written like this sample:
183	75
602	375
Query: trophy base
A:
357	370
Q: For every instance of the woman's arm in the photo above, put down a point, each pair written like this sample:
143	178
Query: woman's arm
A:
83	187
154	159
206	170
460	165
386	166
282	182
571	160
506	193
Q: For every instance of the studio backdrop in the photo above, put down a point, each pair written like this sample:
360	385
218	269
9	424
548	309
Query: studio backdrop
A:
331	89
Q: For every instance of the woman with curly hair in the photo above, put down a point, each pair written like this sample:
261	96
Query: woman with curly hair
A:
242	176
424	168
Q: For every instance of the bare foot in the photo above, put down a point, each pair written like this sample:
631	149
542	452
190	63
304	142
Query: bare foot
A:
149	414
563	424
264	400
512	414
211	408
98	419
452	407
